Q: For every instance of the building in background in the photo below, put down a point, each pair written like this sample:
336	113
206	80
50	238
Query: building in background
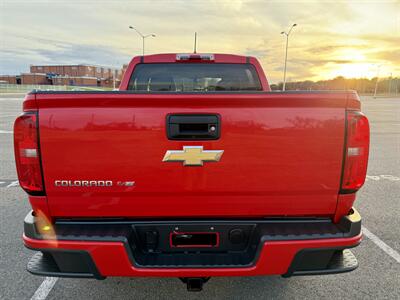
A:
34	78
75	80
80	75
73	75
75	70
10	79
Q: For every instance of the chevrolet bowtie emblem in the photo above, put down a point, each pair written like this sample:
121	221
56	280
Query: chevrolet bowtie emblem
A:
192	155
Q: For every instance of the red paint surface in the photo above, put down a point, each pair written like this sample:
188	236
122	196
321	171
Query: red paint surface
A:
282	155
275	258
345	203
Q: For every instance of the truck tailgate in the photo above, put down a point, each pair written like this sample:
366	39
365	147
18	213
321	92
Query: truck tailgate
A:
282	155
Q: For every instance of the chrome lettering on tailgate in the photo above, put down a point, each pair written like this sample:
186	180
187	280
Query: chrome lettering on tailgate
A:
78	183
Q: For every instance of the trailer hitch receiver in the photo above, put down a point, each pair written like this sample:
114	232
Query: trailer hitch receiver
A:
194	284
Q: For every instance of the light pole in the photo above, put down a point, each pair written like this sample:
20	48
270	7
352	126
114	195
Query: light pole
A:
287	43
142	36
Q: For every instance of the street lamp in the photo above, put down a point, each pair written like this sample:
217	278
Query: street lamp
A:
287	43
143	36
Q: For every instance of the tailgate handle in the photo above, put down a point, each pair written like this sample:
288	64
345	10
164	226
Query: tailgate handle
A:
193	126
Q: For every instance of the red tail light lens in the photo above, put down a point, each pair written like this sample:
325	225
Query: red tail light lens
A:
27	155
357	150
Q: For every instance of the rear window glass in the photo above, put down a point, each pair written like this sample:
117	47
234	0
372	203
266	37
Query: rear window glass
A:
194	77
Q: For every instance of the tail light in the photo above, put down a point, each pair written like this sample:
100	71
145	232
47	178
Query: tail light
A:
356	154
27	155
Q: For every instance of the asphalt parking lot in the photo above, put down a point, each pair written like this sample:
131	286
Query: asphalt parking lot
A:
378	276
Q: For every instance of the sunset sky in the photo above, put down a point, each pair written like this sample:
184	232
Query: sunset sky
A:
348	38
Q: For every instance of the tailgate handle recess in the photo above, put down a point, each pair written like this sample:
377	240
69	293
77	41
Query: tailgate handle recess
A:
193	126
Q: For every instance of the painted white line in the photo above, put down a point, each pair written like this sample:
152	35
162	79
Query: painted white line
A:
381	244
390	177
44	289
14	183
379	177
5	131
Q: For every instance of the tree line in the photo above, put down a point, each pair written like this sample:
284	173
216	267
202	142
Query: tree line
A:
389	85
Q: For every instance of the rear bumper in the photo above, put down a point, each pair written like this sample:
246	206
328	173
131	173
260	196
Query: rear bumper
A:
275	247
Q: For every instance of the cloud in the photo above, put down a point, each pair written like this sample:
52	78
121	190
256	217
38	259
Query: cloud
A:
88	54
392	56
257	52
328	49
54	51
330	34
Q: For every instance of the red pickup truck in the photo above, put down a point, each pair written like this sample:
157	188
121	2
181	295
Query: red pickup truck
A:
193	169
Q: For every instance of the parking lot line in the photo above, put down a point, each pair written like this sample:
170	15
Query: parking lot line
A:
44	289
5	131
381	244
13	183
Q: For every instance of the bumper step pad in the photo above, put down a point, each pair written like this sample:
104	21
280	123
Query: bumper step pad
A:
81	265
315	262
